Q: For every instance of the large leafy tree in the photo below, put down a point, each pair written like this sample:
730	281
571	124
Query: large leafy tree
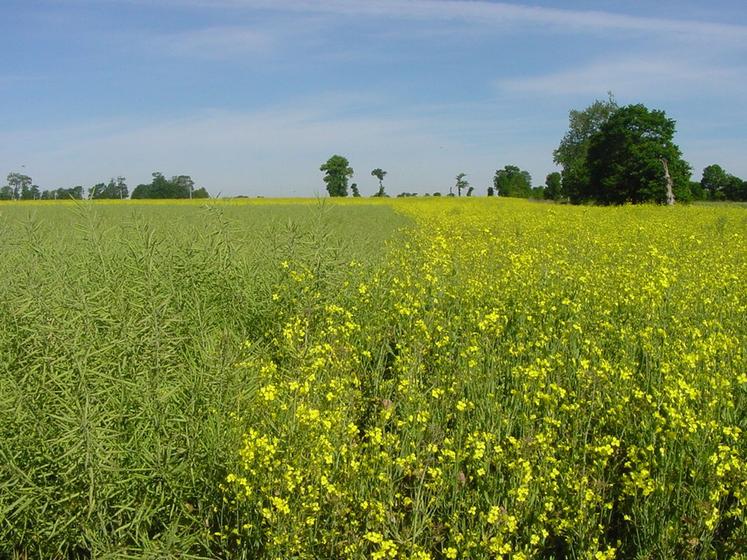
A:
512	181
572	152
337	171
629	155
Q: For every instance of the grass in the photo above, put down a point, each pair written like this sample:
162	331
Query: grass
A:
373	379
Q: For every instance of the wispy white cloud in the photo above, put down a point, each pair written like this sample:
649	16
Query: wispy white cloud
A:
483	12
656	76
216	42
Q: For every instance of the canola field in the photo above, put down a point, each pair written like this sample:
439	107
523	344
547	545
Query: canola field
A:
397	379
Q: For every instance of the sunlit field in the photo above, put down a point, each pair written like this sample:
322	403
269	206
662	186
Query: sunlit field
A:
391	379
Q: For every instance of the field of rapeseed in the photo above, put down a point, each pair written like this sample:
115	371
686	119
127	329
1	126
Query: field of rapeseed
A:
487	379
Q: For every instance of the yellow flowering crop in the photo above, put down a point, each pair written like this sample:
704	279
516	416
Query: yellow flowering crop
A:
515	380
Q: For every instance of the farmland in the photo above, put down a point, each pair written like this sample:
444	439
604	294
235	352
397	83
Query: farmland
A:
409	379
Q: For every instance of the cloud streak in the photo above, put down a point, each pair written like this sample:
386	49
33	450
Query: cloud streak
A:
658	76
484	13
216	42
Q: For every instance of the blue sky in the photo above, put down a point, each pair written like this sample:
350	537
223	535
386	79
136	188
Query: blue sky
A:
251	96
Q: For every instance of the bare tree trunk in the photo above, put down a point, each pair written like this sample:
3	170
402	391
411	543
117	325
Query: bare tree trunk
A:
668	179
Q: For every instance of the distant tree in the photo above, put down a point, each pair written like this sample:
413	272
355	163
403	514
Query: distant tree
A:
161	187
337	171
735	189
114	189
30	192
470	190
537	192
63	194
491	191
141	191
354	189
436	193
461	183
95	191
630	155
572	152
697	191
379	174
714	182
6	193
184	186
179	186
18	182
553	186
512	181
121	188
200	193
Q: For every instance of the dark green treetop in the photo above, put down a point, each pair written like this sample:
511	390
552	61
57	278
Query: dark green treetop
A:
628	157
337	171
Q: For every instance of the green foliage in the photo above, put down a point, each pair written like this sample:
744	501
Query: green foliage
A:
512	181
714	182
180	186
537	192
200	193
720	185
697	191
75	193
31	192
553	186
337	171
461	183
355	191
379	174
735	189
625	158
18	185
115	189
572	152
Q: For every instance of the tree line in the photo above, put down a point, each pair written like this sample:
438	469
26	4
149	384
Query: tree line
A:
21	187
609	155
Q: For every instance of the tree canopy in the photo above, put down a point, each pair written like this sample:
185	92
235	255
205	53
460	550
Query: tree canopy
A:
19	187
717	184
337	171
461	183
629	155
572	152
179	186
512	181
115	189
